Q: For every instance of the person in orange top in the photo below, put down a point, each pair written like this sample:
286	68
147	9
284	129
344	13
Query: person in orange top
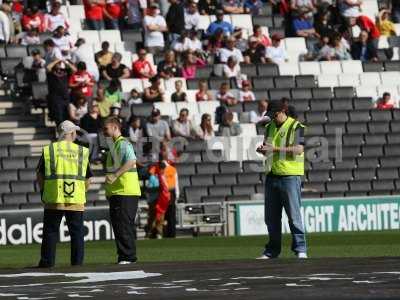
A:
163	200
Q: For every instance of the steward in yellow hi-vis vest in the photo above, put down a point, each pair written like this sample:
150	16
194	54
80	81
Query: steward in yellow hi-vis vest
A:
122	190
63	175
284	150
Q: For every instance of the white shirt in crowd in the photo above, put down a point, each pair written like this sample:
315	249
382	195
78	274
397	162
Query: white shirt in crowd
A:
187	44
52	22
256	116
246	96
4	27
63	43
154	38
79	112
229	73
191	20
276	54
349	11
225	53
85	53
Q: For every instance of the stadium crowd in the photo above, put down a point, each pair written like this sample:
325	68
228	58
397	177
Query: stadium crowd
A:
85	87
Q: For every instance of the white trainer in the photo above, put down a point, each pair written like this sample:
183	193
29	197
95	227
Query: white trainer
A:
302	255
263	257
124	262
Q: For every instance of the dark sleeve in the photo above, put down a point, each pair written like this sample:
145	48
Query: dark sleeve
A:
40	167
89	172
372	51
299	138
354	51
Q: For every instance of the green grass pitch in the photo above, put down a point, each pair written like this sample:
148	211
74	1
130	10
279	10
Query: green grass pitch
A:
360	244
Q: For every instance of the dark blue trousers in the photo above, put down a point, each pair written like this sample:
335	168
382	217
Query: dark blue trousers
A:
51	228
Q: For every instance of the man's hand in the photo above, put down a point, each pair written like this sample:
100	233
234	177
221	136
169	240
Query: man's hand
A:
110	179
265	148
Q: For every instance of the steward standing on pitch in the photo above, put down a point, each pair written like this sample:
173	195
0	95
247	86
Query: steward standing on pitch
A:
284	150
122	190
63	175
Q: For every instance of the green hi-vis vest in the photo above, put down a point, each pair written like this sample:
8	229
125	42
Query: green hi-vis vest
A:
281	163
65	173
128	183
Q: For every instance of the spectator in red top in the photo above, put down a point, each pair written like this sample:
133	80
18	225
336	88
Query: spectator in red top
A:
82	81
261	38
114	14
94	11
32	18
142	68
365	23
385	102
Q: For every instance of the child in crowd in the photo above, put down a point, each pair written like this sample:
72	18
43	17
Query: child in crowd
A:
246	93
225	96
179	95
134	98
203	94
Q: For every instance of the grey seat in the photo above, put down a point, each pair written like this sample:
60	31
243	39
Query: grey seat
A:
189	157
389	173
263	82
360	186
314	130
216	82
323	165
353	140
22	186
391	150
318	176
250	106
212	156
34	197
335	128
244	189
351	151
142	110
232	198
383	185
394	126
393	138
263	21
278	94
184	181
359	116
344	92
305	81
338	116
186	169
356	128
19	150
362	103
284	82
196	145
16	51
372	151
342	104
381	115
4	187
388	162
201	180
207	168
132	35
316	117
367	162
27	174
31	162
230	167
12	163
220	190
248	178
373	66
8	175
6	139
250	166
3	151
364	174
322	93
14	198
345	164
225	179
375	139
267	69
8	66
193	194
341	175
261	94
378	127
249	70
314	186
301	105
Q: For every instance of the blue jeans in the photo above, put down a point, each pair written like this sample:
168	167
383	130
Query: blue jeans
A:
95	24
283	192
51	227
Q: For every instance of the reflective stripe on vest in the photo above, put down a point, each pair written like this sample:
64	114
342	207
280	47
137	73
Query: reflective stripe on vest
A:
281	163
128	183
65	173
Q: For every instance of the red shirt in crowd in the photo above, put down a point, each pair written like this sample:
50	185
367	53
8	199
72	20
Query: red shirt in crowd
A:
85	82
93	11
384	106
17	7
142	69
367	24
115	9
33	21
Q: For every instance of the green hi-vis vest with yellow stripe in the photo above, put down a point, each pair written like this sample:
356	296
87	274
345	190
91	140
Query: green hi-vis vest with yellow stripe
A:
281	163
65	173
128	183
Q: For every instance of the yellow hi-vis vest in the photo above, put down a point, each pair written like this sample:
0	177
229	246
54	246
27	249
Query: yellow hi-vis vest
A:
281	163
128	183
65	173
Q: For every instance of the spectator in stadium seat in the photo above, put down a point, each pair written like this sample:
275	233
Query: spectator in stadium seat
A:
253	7
229	128
175	19
116	70
260	116
276	53
208	7
350	8
82	81
338	50
305	8
231	70
246	94
168	67
33	18
135	130
241	42
83	52
135	10
58	97
94	12
192	16
103	103
104	56
385	25
183	126
179	95
191	62
78	107
188	41
34	67
364	49
141	68
154	93
303	27
63	41
206	130
203	94
91	123
113	92
114	14
261	38
30	37
230	50
52	53
215	42
219	23
157	128
368	25
323	25
256	52
134	98
55	18
322	50
385	102
225	96
154	26
233	6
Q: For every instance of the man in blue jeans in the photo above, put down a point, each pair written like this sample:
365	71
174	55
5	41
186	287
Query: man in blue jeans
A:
284	150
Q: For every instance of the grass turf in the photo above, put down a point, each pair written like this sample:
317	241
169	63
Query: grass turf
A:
360	244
